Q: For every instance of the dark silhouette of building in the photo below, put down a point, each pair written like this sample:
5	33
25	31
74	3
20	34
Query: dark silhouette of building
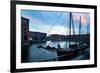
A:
37	36
24	39
57	37
82	37
24	30
76	38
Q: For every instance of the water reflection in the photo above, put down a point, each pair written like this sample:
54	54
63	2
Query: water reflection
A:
39	54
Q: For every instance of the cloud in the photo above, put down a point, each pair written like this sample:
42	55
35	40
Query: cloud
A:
83	17
62	30
32	19
83	20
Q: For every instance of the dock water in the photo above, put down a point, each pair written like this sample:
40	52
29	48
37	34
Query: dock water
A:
31	53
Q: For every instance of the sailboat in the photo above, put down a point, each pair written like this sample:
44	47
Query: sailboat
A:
74	49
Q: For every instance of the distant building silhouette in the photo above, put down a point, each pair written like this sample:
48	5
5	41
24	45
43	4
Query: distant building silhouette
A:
38	36
57	37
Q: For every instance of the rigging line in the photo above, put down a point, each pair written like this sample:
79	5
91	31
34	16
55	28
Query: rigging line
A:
64	26
62	23
55	22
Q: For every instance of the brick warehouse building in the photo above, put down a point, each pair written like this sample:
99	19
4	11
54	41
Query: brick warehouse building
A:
24	30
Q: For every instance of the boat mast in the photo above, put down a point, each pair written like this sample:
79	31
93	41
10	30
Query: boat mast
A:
70	27
73	25
79	30
87	29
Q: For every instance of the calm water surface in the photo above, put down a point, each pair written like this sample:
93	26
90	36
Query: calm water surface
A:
40	54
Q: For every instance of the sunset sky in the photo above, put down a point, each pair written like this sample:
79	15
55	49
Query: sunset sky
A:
56	22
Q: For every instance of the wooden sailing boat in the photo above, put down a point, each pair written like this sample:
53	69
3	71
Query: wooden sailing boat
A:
67	55
75	49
